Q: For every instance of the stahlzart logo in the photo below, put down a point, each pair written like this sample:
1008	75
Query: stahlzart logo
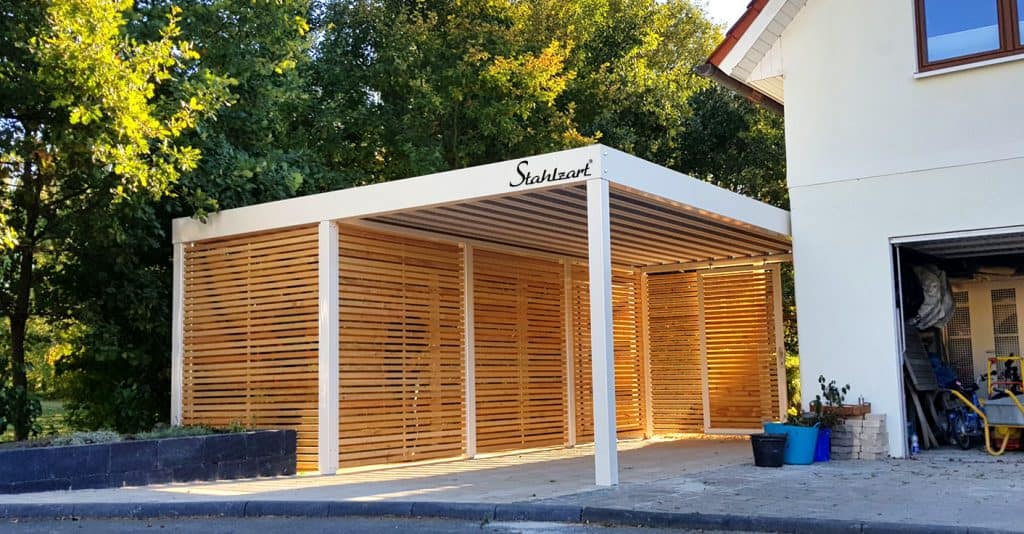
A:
527	177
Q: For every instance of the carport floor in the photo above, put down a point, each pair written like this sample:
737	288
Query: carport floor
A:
526	476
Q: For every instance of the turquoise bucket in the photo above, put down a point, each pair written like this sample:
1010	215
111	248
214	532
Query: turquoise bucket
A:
800	443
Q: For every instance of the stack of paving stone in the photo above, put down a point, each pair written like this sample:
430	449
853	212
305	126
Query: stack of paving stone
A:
861	438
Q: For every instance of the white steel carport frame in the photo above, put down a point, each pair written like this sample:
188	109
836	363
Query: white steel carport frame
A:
597	168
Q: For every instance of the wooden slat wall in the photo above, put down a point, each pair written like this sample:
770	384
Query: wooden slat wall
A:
251	334
743	377
626	319
402	387
677	393
520	362
582	368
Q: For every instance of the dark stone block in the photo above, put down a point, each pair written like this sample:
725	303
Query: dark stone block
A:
264	443
188	473
282	465
79	461
32	486
130	478
177	452
238	469
133	456
93	481
24	464
160	476
37	511
290	441
267	467
288	466
223	447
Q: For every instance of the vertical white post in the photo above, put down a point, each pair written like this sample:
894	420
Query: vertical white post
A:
703	337
178	335
645	352
780	340
327	443
570	358
470	349
602	346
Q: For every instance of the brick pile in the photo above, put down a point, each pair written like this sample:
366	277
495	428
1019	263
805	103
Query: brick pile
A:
861	438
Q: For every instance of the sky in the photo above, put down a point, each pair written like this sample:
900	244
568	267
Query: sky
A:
726	11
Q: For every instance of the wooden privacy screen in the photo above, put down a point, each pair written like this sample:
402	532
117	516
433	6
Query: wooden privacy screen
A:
629	372
677	391
251	334
402	387
519	350
743	377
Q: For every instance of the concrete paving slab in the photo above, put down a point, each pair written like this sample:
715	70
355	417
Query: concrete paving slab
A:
946	487
667	481
494	479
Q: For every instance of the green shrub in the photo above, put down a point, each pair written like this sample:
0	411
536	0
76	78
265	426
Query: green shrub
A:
162	432
86	438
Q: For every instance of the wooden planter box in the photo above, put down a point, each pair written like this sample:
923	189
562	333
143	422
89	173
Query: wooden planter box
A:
142	462
847	410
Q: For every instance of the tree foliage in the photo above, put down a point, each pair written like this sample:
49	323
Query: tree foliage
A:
81	128
290	97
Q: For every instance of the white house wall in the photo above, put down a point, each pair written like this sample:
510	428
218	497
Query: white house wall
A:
844	271
855	109
875	153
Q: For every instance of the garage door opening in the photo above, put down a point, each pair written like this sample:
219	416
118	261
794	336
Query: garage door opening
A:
960	310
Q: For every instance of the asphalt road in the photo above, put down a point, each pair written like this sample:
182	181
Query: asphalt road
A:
307	526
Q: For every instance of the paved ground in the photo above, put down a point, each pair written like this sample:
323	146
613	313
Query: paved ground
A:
946	487
497	479
708	476
313	526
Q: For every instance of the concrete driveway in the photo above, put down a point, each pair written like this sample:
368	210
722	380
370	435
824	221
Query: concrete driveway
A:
505	478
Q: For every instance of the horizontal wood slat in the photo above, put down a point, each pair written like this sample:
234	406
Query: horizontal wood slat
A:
519	350
674	337
743	376
402	388
251	334
626	325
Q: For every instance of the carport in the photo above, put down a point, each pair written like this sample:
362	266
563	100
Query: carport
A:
566	298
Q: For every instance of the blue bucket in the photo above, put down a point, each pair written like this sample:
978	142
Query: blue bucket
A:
823	450
801	442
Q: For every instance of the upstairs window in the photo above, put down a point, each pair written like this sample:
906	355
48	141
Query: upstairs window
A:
957	32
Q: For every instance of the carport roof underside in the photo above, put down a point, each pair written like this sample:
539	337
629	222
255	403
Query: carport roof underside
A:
657	216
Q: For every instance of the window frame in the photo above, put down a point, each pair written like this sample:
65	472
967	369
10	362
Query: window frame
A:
1009	38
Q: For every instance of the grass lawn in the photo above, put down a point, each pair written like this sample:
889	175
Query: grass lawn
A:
51	422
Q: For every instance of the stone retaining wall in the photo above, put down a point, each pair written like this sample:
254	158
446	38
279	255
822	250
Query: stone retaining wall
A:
142	462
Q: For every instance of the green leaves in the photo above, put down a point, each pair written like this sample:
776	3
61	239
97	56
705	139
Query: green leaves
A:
109	83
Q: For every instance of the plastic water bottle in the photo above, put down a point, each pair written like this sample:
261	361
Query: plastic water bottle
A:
915	447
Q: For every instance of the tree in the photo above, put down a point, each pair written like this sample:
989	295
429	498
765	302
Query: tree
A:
81	129
118	269
329	94
409	87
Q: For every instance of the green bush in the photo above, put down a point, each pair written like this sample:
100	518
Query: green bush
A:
86	438
162	432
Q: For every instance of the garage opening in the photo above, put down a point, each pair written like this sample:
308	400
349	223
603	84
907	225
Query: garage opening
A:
470	313
961	299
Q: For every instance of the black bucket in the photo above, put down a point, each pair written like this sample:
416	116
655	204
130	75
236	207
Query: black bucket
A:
769	449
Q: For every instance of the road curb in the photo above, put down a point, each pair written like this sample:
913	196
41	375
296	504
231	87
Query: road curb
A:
472	511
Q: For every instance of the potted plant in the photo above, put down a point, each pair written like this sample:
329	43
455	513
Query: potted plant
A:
827	412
